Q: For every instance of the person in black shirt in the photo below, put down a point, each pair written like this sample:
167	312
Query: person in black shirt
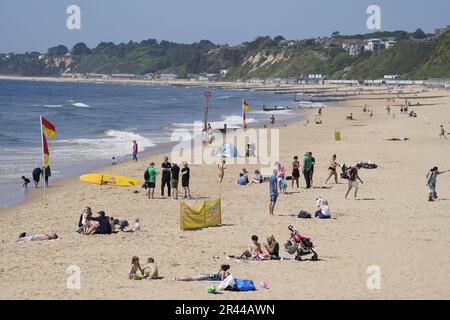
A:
165	176
175	171
185	173
104	226
36	176
48	173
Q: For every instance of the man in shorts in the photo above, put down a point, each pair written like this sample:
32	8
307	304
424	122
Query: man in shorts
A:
175	174
273	191
151	182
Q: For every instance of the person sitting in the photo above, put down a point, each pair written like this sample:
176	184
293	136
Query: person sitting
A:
217	276
104	225
254	251
150	271
84	225
350	117
324	212
258	178
136	272
37	237
272	247
242	180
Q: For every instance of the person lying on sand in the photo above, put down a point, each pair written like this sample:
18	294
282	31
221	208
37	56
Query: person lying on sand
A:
37	237
217	276
136	272
150	271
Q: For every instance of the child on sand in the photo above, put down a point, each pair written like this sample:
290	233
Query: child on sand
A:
216	276
136	270
26	181
185	175
324	211
150	271
257	179
431	182
221	167
295	172
352	181
281	172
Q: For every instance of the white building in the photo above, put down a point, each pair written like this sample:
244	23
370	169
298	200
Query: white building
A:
168	76
373	45
388	44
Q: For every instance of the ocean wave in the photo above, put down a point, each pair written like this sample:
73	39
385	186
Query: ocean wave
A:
224	97
232	121
53	105
276	112
80	105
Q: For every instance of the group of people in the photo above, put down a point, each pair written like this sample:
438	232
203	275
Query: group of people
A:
257	251
149	272
37	173
170	175
103	224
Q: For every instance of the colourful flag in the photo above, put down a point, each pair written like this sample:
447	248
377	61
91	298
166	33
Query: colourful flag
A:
45	151
48	128
245	105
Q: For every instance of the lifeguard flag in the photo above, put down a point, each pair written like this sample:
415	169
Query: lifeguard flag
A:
45	151
48	128
245	105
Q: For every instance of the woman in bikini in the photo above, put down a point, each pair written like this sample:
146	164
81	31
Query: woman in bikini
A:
221	167
332	169
217	276
295	171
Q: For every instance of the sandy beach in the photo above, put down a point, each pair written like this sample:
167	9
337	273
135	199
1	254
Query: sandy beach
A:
391	225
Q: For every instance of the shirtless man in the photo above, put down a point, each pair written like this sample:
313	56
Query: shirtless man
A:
221	167
255	250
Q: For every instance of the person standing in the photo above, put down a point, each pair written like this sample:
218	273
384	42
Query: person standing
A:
431	182
151	180
388	109
37	172
272	119
307	165
332	169
352	181
185	176
175	172
47	174
442	133
273	191
221	167
313	162
295	172
281	172
165	176
135	150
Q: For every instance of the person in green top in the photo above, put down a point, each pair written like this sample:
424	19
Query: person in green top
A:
151	181
307	166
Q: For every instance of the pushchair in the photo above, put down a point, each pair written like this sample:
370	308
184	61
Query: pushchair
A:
344	173
300	246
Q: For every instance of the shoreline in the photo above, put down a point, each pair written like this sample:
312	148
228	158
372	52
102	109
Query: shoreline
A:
390	225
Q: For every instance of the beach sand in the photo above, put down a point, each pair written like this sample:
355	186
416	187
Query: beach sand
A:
391	225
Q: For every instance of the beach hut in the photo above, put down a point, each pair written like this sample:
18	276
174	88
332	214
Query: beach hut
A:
227	150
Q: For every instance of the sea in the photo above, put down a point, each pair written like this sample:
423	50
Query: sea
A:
98	121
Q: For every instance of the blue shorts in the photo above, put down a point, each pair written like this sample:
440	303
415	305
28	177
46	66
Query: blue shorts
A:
273	198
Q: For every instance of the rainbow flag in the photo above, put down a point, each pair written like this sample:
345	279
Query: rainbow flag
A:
45	151
245	105
48	128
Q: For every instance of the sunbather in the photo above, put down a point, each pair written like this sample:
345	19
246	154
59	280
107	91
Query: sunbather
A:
217	276
37	237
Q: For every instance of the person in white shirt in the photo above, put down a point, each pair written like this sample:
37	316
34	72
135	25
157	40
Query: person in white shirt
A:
324	212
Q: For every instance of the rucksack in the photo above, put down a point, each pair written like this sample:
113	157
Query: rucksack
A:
304	215
146	175
244	285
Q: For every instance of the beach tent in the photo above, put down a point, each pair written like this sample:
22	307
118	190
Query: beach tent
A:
201	215
227	150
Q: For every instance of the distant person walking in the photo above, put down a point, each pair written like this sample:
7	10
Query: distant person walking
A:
388	109
135	150
221	167
185	176
37	172
273	191
165	176
443	133
431	182
307	166
332	169
48	174
272	120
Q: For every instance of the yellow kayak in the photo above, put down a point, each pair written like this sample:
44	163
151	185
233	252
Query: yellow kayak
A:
109	180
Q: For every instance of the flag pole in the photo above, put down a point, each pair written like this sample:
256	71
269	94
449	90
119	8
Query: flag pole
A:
43	161
243	114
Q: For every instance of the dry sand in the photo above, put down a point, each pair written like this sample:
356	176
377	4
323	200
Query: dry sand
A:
391	225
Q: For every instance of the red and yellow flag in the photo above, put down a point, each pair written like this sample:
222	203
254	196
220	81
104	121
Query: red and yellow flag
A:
48	128
45	151
245	105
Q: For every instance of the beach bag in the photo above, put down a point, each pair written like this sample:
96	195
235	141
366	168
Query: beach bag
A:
304	215
146	175
227	282
244	285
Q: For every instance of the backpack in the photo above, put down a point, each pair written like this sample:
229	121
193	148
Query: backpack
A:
304	215
146	175
244	285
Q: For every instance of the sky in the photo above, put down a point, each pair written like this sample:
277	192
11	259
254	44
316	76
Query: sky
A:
30	25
